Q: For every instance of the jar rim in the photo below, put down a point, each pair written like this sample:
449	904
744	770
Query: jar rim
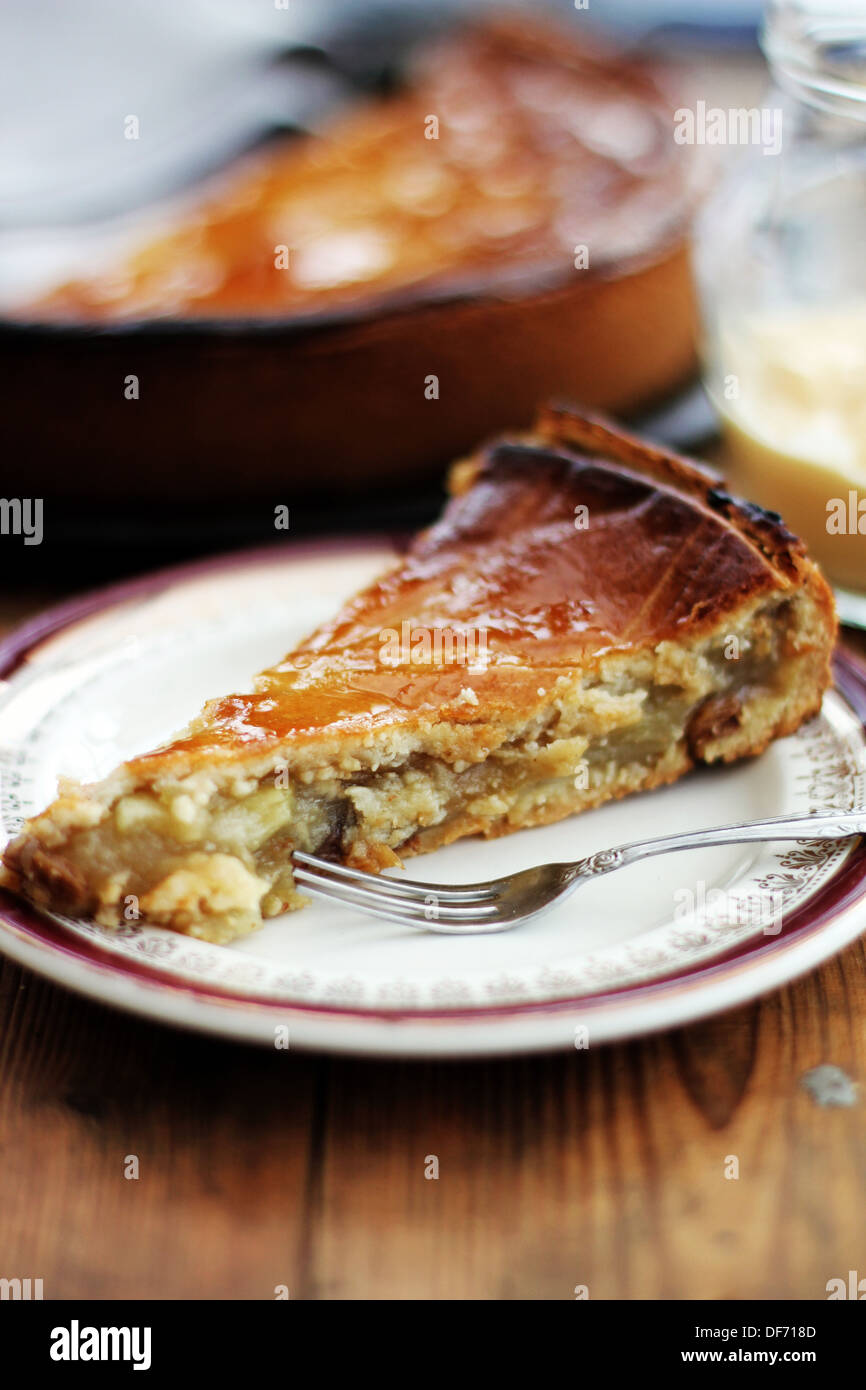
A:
816	50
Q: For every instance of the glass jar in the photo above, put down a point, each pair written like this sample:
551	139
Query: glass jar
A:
780	256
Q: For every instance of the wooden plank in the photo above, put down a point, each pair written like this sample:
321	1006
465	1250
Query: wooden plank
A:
222	1135
603	1168
607	1168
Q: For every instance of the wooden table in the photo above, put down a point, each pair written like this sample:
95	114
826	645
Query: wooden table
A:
604	1168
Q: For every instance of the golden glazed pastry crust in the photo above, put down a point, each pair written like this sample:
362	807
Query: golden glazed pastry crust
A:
513	152
591	616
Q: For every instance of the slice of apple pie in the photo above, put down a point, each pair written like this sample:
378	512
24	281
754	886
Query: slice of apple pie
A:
590	617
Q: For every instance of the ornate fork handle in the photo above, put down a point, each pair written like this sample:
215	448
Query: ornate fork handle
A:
837	825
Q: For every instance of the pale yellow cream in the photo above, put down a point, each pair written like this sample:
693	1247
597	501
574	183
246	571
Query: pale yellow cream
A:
793	406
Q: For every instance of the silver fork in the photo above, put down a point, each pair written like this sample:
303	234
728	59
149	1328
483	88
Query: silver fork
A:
503	903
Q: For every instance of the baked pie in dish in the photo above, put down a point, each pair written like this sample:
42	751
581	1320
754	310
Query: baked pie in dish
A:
380	299
591	616
511	146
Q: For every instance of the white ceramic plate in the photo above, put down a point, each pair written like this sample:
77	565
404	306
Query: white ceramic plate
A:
669	940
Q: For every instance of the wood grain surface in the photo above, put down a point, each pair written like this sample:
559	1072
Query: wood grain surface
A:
604	1168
